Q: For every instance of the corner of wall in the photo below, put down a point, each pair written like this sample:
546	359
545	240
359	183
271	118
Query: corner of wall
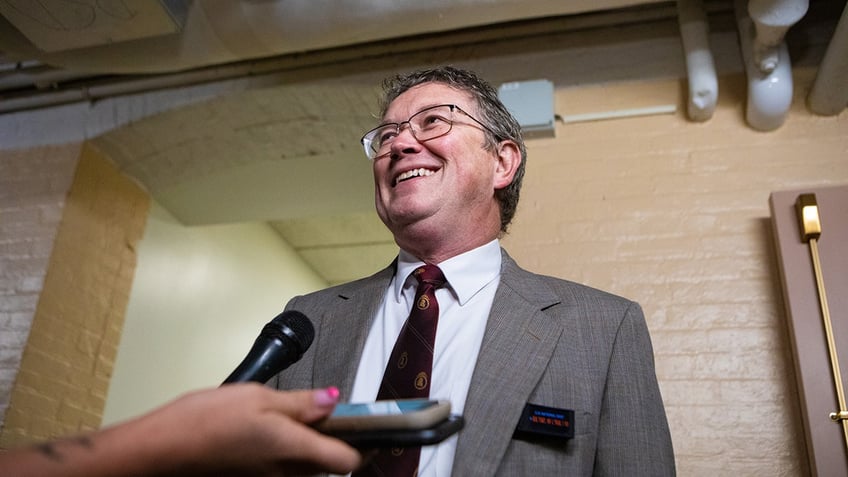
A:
67	363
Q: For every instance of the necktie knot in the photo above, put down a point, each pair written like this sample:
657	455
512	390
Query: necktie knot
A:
431	275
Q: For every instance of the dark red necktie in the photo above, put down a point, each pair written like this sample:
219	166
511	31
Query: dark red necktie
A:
408	371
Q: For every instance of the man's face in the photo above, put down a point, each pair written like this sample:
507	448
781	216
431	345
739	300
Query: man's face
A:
453	188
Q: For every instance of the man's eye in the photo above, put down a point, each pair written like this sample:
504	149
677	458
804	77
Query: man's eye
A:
386	136
432	120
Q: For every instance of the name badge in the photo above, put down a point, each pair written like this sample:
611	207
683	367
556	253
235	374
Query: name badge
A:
543	421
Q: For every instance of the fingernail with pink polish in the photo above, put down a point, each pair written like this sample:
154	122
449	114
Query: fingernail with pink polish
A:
327	396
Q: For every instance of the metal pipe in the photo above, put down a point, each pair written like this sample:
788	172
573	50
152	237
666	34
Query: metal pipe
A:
125	85
700	67
772	19
769	92
829	94
41	76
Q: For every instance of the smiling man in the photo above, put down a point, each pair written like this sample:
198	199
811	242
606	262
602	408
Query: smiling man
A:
552	377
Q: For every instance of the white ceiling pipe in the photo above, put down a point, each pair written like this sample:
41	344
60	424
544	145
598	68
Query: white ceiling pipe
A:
769	93
829	94
700	67
772	18
127	85
41	76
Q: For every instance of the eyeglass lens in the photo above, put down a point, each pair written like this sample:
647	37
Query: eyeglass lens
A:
426	124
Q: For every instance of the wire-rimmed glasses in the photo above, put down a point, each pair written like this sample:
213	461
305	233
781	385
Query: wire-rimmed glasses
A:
429	123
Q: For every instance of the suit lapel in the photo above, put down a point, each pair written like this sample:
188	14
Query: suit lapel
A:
517	346
344	329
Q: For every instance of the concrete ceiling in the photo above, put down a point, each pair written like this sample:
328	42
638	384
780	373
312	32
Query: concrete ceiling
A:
146	36
256	107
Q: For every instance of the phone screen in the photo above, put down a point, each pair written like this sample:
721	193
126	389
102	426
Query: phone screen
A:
391	408
401	414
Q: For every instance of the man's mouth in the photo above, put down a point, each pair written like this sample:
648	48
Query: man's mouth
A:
421	172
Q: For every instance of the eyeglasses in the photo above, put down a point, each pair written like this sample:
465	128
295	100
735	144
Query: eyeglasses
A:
429	123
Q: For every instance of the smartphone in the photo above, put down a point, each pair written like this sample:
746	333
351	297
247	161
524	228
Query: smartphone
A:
401	423
399	414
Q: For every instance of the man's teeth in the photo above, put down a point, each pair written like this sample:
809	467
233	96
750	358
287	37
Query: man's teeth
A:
414	173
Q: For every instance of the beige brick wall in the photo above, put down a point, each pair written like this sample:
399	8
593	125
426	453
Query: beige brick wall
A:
33	187
65	369
675	215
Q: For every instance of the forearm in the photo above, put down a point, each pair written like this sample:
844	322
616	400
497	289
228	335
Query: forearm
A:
133	448
238	429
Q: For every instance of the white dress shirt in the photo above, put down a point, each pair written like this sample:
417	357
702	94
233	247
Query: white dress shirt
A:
464	306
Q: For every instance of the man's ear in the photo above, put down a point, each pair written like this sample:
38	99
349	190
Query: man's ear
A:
508	160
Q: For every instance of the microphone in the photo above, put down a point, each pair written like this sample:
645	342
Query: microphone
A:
280	344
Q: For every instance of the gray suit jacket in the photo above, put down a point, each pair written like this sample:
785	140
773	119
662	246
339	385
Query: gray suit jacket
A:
548	342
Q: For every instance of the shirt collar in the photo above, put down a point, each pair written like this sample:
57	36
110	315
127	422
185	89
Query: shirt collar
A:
466	273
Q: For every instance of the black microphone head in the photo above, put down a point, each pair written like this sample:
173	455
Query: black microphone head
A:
281	343
294	325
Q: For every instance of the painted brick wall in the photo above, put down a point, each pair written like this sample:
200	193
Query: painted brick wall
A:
64	373
33	186
675	215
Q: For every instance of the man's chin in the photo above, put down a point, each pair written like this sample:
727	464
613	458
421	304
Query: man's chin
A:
400	220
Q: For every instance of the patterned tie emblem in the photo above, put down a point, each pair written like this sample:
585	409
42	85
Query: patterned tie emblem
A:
408	371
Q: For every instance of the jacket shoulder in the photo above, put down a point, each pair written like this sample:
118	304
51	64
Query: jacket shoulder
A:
554	290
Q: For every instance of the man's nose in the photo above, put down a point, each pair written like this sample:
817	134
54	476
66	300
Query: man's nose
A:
405	140
405	126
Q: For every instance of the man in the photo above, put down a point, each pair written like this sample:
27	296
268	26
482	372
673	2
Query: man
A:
448	163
